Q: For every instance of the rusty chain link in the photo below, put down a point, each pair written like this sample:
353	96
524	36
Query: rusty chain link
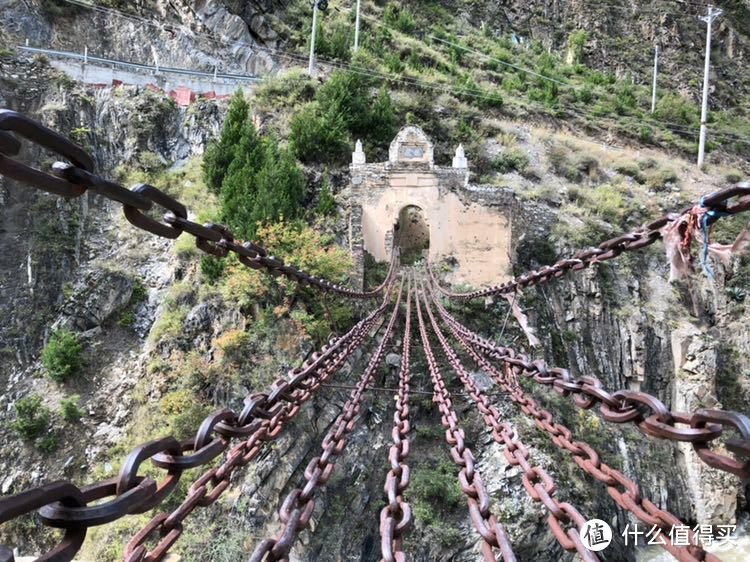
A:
584	455
700	428
75	179
489	528
63	505
609	249
396	518
538	484
297	508
264	416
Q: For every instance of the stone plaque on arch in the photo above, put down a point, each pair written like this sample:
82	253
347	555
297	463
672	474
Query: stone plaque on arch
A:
411	147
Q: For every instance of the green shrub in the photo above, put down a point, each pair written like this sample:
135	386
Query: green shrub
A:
511	160
326	203
347	94
512	82
576	43
168	325
677	109
70	409
212	269
399	17
277	92
645	134
334	42
127	318
585	94
435	490
734	176
660	179
139	294
62	355
381	127
32	418
184	412
49	443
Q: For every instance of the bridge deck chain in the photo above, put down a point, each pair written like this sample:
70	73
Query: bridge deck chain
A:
490	530
645	411
298	507
396	519
537	482
584	455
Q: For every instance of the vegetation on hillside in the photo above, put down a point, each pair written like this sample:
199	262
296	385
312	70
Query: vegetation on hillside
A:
430	53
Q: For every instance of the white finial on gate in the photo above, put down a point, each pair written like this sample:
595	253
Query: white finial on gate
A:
459	160
358	156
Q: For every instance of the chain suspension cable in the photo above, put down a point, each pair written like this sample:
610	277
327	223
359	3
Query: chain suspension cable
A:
75	179
701	428
610	249
489	528
586	457
396	518
297	509
63	505
169	526
537	482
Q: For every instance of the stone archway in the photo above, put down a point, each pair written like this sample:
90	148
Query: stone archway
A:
469	223
411	234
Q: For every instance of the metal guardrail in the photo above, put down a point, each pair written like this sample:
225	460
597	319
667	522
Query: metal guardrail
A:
212	76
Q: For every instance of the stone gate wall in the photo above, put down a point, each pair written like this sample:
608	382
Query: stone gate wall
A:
471	224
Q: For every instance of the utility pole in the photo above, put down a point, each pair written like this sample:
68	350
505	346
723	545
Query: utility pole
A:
311	66
356	29
653	89
704	105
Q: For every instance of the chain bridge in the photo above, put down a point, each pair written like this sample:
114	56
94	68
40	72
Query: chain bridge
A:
408	305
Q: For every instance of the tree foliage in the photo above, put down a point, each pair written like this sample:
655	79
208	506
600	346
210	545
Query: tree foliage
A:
62	355
318	136
221	154
256	178
32	418
345	109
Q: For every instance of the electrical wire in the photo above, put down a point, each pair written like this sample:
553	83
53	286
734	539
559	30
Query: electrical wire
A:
409	81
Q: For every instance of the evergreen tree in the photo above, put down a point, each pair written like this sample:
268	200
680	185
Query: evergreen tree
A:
347	95
280	184
382	117
220	154
238	190
319	136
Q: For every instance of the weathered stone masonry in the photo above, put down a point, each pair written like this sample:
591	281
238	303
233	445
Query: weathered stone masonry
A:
471	224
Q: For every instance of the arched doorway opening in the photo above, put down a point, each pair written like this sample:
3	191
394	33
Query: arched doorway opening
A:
411	234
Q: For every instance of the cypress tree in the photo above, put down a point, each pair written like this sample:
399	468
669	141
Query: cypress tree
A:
382	126
280	184
220	154
238	190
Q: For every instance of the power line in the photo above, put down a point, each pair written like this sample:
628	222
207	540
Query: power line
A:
409	81
515	66
471	92
649	120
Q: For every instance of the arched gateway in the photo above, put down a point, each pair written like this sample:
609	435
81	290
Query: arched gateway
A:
417	206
